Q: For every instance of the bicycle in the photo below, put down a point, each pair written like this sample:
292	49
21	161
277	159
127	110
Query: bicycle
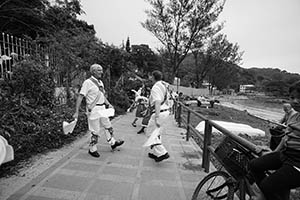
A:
234	181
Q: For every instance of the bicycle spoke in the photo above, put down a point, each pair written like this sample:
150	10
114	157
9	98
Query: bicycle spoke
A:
214	186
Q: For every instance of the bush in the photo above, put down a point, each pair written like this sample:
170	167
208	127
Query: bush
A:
29	120
32	82
120	101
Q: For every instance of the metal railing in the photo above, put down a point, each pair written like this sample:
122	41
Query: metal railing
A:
205	138
13	49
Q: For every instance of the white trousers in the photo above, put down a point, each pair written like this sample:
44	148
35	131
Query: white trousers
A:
95	127
157	147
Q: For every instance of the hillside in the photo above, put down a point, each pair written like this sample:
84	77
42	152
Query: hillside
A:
269	80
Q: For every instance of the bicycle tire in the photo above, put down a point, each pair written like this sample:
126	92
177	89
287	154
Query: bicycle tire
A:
223	187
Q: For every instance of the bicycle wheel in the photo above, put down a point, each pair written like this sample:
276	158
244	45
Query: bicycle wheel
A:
216	185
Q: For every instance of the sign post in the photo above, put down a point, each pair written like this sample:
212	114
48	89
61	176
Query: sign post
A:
177	83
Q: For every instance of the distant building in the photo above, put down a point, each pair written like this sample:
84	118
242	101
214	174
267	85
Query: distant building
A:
247	88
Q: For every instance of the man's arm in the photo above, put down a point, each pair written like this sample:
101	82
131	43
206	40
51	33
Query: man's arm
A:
282	143
78	103
283	119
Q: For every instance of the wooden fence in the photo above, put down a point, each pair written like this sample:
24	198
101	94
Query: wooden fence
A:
13	49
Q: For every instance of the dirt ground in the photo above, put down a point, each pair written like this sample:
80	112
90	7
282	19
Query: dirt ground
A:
265	108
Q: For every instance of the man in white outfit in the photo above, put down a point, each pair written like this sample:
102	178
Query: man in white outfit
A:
158	100
93	91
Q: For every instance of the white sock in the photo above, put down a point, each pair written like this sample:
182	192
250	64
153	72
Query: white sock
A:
112	141
93	148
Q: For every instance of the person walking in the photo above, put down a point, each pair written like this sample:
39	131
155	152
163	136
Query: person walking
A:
284	160
145	121
93	91
158	102
141	102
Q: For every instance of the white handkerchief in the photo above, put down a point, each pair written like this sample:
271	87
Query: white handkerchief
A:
110	112
69	127
9	154
2	151
6	151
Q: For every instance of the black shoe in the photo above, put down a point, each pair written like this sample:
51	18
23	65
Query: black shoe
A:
163	157
94	154
141	131
151	155
117	143
133	124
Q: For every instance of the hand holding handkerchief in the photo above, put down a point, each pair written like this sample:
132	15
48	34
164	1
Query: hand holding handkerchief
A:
69	127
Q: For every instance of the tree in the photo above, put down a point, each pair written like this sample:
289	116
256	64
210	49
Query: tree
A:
23	17
276	88
177	24
221	53
127	47
144	58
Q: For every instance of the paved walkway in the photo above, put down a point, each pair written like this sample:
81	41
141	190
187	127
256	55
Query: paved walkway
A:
123	174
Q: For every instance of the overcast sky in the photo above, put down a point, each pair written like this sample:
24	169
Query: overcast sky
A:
268	31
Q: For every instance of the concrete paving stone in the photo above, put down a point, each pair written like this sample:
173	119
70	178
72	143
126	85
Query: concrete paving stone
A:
95	161
190	155
116	178
162	183
186	154
52	193
124	174
178	158
131	152
92	196
154	192
72	183
164	165
148	175
191	177
125	160
121	171
180	148
178	141
191	165
189	192
85	156
190	185
41	198
115	190
77	173
82	166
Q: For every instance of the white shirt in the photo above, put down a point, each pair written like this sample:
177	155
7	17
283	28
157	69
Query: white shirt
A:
90	90
158	93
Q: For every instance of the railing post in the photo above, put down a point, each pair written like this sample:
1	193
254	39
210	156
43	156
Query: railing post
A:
206	144
175	109
179	115
188	125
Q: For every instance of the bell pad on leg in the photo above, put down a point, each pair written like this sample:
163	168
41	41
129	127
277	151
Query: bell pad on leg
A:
94	139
